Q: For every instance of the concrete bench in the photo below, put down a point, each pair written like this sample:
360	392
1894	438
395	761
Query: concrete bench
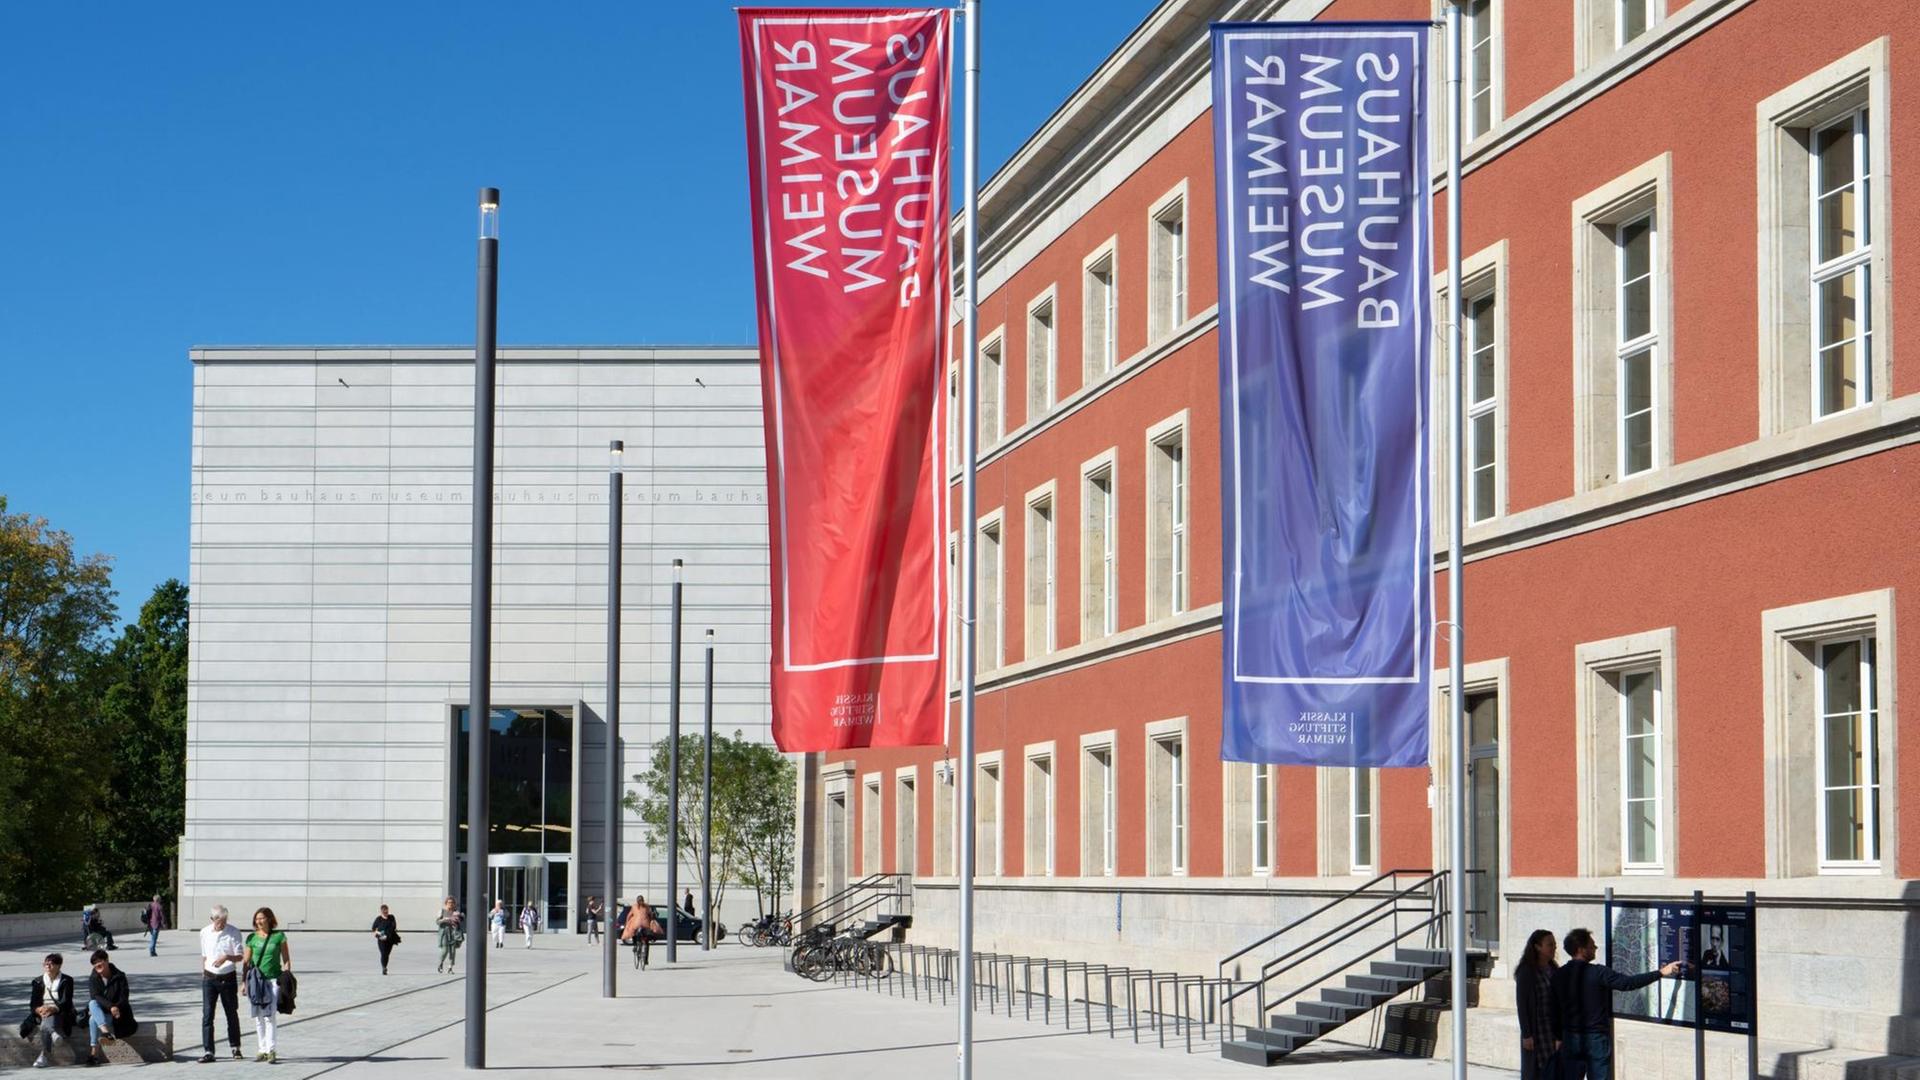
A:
149	1042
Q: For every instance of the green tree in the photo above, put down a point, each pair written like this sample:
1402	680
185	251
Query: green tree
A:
56	609
746	841
144	721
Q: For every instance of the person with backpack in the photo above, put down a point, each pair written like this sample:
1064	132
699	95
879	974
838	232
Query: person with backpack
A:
386	934
109	1008
497	924
155	920
451	936
268	957
529	922
1583	991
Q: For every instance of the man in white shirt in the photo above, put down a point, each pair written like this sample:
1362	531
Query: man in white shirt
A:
221	950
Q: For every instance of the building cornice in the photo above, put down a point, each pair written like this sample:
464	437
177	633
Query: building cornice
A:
463	354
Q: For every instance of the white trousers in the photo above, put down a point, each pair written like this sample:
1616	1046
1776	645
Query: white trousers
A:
264	1017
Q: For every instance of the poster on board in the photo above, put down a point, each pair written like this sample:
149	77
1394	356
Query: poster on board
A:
1643	937
1727	968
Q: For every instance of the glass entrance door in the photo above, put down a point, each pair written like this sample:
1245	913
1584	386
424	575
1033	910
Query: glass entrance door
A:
513	886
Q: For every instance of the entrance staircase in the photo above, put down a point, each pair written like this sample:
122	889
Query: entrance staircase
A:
876	904
1386	937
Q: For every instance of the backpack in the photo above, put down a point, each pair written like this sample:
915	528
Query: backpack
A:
146	916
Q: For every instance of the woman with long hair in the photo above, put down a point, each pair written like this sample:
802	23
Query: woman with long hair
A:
1539	1012
267	956
451	934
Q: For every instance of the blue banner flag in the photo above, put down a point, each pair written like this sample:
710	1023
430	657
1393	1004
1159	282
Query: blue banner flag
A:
1320	147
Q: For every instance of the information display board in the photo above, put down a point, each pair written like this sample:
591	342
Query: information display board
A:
1727	967
1644	936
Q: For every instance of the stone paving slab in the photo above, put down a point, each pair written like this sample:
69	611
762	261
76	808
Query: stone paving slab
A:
728	1014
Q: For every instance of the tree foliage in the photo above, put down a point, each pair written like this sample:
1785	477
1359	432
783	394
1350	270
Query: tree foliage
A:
753	801
92	728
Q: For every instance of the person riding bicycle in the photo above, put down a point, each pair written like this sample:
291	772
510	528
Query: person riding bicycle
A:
641	928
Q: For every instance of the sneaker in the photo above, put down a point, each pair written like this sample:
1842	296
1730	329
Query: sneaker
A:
273	1057
237	1055
41	1062
261	1056
206	1059
93	1060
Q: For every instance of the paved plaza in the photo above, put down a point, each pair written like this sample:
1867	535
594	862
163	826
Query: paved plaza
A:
730	1013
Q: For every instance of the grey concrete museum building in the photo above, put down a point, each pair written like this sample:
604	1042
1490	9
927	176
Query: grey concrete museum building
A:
330	579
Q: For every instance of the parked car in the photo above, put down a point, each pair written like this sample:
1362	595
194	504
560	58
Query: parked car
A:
688	926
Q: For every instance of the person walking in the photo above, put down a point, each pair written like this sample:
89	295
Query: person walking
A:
451	935
1539	1014
109	1009
49	1009
497	924
687	906
529	921
386	934
221	950
267	956
1583	991
156	920
593	919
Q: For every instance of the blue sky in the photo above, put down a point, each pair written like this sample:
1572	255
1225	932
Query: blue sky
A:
175	175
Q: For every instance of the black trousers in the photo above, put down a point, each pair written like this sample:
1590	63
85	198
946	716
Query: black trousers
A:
386	949
226	990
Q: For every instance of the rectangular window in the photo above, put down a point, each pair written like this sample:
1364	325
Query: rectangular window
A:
1167	503
1040	359
1638	339
1099	612
870	828
953	420
1168	281
945	799
1641	770
1262	819
1631	19
953	609
1479	32
1362	818
1096	793
1849	761
1040	578
988	593
1483	410
1842	249
990	375
1102	313
986	820
1040	816
906	813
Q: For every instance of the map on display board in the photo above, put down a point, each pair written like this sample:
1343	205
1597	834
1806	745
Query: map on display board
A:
1643	937
1714	942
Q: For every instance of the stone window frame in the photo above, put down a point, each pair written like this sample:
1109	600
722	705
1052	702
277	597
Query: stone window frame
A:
1598	666
1095	366
993	344
1496	70
1478	677
992	828
838	787
1168	294
1041	619
1483	272
871	828
1040	835
1596	28
906	820
953	607
946	838
1237	833
1786	635
1105	560
1047	365
1784	121
1169	589
1169	799
953	417
990	596
1597	216
1335	790
1099	854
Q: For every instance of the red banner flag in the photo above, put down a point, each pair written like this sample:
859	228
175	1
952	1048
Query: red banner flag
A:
847	157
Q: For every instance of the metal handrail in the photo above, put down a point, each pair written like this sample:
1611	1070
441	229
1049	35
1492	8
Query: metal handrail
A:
871	881
1310	984
1343	898
1267	973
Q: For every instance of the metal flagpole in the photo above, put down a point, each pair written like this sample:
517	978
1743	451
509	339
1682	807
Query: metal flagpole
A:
610	856
706	812
673	775
480	620
1456	502
969	536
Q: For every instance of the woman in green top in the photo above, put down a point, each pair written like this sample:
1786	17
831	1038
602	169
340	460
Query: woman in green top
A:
450	934
267	956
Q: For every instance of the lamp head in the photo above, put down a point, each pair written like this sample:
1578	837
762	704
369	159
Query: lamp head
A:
677	569
615	450
489	213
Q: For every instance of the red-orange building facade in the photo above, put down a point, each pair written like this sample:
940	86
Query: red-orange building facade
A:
1682	607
